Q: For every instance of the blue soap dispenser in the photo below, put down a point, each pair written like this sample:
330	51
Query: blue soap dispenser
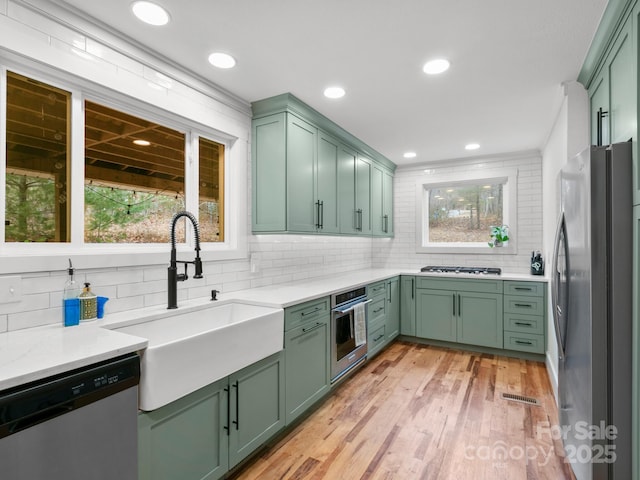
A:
70	300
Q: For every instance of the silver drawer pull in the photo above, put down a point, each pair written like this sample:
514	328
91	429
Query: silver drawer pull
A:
524	289
523	324
524	305
311	329
378	310
522	342
317	309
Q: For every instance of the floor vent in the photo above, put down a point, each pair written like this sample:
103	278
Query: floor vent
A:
521	399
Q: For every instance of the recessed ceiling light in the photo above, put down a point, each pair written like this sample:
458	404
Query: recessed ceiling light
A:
334	92
434	67
472	146
150	13
222	60
410	155
142	143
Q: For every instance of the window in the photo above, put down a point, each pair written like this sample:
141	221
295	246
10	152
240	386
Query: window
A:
456	213
37	189
135	172
134	177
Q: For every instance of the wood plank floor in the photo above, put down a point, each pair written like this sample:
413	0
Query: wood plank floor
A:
424	412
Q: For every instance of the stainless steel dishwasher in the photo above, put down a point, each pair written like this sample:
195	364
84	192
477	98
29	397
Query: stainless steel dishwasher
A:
80	425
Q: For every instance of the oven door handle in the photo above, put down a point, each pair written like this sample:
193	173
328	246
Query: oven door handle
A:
346	310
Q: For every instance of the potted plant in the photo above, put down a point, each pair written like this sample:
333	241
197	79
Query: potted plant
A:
499	235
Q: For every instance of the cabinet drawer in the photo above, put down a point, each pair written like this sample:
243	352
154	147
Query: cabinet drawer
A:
377	339
460	284
515	322
376	289
524	342
306	312
531	289
377	309
524	305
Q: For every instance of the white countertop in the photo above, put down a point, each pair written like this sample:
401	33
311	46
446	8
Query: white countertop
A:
37	353
288	294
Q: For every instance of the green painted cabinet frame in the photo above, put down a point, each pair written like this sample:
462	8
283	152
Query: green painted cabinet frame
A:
204	434
381	202
307	356
408	305
472	313
311	176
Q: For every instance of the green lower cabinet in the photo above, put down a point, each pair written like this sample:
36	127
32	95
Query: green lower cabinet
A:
474	318
435	315
256	406
479	319
186	439
408	305
203	435
307	367
383	314
525	308
392	323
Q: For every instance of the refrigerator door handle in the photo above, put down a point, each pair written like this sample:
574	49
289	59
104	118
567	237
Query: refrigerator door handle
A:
555	285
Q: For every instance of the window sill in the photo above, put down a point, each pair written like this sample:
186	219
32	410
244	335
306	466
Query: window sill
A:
473	249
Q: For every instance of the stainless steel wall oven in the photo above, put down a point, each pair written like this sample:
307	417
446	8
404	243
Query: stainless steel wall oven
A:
345	352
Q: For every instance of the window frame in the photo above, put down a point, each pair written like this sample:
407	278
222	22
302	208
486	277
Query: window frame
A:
36	257
507	176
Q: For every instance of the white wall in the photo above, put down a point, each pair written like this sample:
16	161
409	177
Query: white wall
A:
31	38
569	136
401	250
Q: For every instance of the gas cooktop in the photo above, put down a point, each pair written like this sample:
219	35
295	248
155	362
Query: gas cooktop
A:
475	270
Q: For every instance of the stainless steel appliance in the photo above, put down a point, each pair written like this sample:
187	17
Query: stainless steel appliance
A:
454	269
80	425
592	307
345	353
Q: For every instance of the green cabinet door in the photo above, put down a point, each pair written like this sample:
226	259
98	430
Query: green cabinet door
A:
408	305
256	406
377	221
479	319
392	323
301	161
268	174
621	68
307	367
187	438
347	190
387	204
326	202
363	195
435	312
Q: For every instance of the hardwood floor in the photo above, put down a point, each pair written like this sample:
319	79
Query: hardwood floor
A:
424	412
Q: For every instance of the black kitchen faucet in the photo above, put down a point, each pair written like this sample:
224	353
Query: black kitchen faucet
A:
173	276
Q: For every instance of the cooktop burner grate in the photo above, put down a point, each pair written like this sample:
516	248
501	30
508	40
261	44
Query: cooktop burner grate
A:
453	269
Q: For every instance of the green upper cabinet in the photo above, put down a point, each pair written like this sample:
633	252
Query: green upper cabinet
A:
610	75
381	202
612	92
327	184
301	161
311	176
268	174
354	196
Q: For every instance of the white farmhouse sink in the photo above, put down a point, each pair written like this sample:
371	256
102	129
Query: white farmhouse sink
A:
189	350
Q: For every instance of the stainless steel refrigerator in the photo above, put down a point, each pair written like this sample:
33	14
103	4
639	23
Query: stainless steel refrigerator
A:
592	307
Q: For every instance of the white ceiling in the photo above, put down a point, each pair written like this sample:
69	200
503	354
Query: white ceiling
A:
503	90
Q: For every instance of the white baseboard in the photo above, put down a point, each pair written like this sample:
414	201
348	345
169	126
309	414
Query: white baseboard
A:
553	374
